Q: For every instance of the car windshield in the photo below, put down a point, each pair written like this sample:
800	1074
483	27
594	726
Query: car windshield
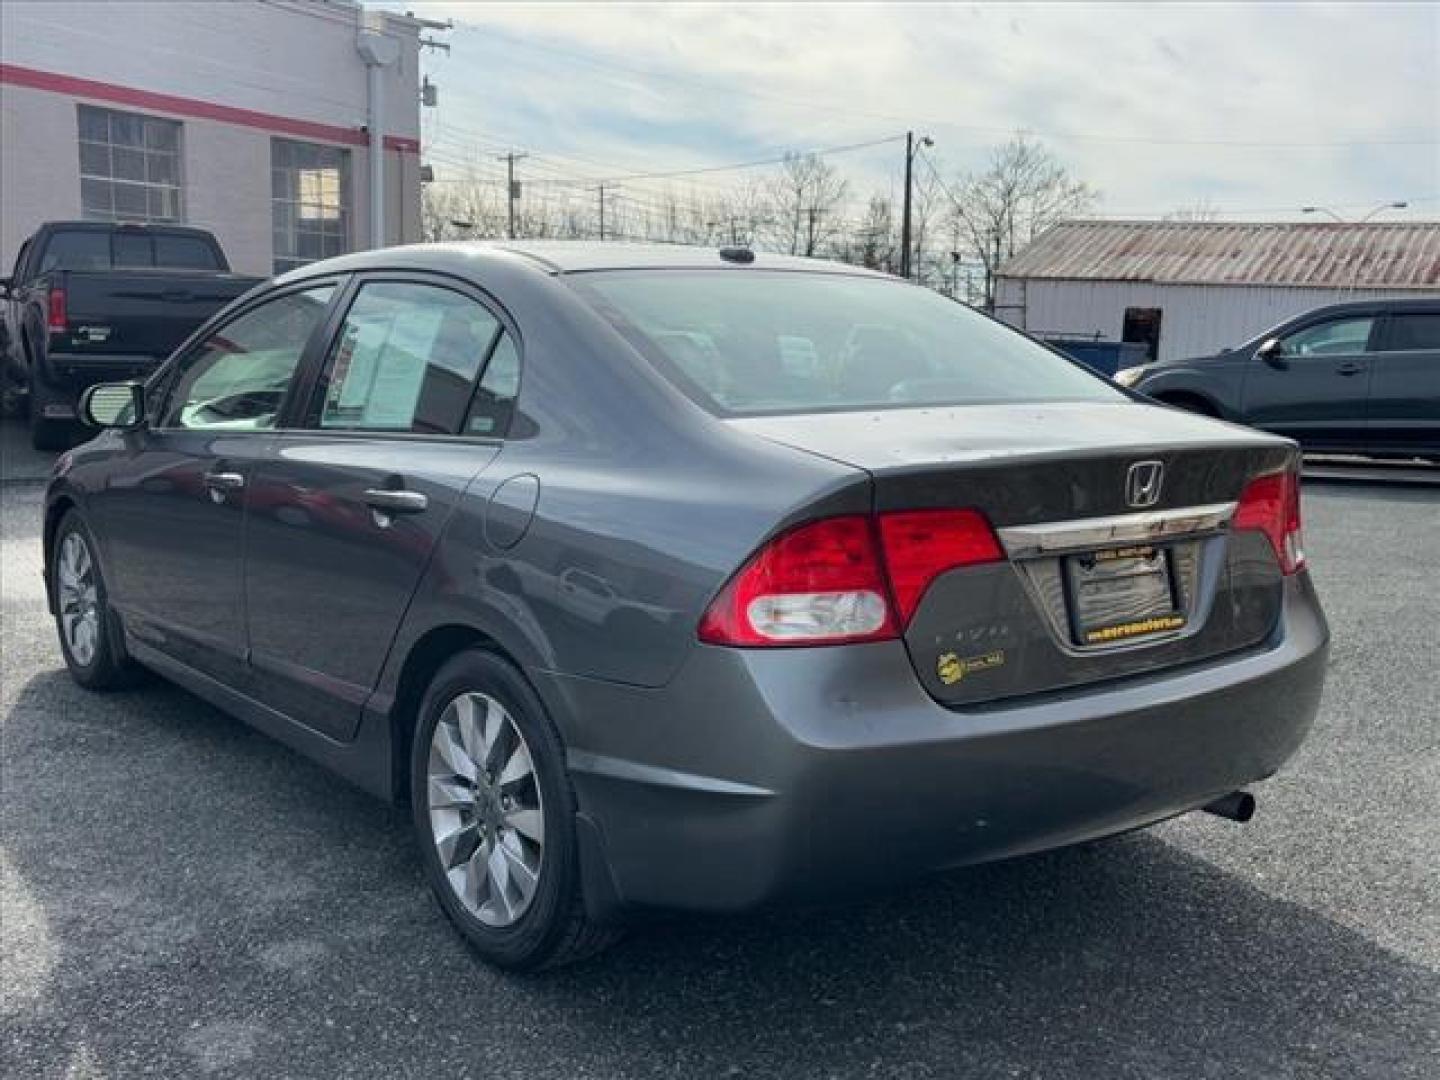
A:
756	342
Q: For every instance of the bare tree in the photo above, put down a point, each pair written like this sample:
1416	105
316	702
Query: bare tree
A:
872	243
805	195
1022	192
1202	210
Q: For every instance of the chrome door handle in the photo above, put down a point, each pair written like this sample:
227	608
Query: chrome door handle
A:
224	481
389	501
1350	368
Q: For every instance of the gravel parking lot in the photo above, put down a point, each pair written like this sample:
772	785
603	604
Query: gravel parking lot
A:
183	897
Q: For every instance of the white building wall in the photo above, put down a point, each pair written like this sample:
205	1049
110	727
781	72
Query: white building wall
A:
1196	320
273	58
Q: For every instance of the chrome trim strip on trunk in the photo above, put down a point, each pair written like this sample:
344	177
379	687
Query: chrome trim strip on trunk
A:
1082	534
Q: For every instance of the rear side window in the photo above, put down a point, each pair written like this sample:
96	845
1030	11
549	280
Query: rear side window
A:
1418	330
406	360
494	401
747	342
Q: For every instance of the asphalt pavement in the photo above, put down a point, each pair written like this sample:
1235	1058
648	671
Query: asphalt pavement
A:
183	897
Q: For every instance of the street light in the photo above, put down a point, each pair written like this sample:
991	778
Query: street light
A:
1359	262
1378	210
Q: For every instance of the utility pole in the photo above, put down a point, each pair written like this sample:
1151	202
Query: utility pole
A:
912	147
601	189
512	189
812	214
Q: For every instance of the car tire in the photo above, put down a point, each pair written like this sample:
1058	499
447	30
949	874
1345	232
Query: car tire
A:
91	639
494	817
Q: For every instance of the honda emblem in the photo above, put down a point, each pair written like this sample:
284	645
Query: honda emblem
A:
1142	483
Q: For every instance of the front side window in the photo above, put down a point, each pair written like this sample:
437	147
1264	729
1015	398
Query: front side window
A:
310	202
754	342
129	166
1339	337
406	360
1417	331
237	379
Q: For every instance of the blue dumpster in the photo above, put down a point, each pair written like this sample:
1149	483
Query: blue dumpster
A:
1106	357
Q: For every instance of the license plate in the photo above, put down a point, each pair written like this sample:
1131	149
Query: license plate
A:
1121	593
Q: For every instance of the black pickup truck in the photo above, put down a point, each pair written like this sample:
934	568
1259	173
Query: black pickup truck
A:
91	302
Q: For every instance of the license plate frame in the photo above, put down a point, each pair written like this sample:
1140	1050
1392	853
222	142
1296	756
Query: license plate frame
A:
1119	595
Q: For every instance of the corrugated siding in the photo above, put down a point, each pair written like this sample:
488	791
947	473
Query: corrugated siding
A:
1376	255
1195	320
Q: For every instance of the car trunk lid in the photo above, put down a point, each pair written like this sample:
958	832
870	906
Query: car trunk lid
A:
1092	586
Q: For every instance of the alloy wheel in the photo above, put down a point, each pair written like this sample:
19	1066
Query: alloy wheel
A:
79	599
487	818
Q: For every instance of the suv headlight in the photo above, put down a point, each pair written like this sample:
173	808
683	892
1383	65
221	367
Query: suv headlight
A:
1131	375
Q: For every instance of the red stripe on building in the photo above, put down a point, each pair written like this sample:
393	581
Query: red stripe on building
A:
35	79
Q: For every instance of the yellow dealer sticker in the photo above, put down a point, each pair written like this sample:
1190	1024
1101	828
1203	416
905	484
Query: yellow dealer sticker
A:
952	668
1120	632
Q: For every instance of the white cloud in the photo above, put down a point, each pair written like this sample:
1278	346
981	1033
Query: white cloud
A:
671	85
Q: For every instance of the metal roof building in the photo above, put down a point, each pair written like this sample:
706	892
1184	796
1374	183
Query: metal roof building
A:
1187	289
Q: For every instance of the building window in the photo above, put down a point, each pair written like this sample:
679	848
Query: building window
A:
310	200
129	166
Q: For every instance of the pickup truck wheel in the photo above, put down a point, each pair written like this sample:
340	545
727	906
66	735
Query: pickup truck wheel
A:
494	817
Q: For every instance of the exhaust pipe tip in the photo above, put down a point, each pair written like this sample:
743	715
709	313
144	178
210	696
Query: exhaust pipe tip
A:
1237	806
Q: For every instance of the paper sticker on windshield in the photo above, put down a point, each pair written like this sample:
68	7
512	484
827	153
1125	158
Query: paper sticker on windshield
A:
952	668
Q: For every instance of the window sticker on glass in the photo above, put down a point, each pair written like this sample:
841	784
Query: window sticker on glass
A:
406	360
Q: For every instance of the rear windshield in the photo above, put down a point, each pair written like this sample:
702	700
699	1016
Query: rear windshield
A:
98	249
751	342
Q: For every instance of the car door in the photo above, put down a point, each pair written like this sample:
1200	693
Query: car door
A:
1317	388
347	509
171	518
1405	388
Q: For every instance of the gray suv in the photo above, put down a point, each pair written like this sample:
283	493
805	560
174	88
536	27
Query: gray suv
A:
1356	378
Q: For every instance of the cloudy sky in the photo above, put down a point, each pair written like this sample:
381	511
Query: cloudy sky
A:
1250	109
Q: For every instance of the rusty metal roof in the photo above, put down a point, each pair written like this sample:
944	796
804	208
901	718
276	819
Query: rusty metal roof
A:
1380	255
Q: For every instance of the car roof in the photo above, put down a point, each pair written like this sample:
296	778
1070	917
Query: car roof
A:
572	257
1382	303
125	226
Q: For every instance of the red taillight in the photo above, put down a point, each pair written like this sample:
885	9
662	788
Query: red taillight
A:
845	579
55	320
819	582
1271	504
920	545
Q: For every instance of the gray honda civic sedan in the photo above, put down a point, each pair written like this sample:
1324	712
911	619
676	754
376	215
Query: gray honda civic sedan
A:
664	577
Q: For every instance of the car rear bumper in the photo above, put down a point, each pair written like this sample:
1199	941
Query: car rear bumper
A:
768	774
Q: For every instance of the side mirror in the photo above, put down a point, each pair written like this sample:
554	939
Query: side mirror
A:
1272	352
114	405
